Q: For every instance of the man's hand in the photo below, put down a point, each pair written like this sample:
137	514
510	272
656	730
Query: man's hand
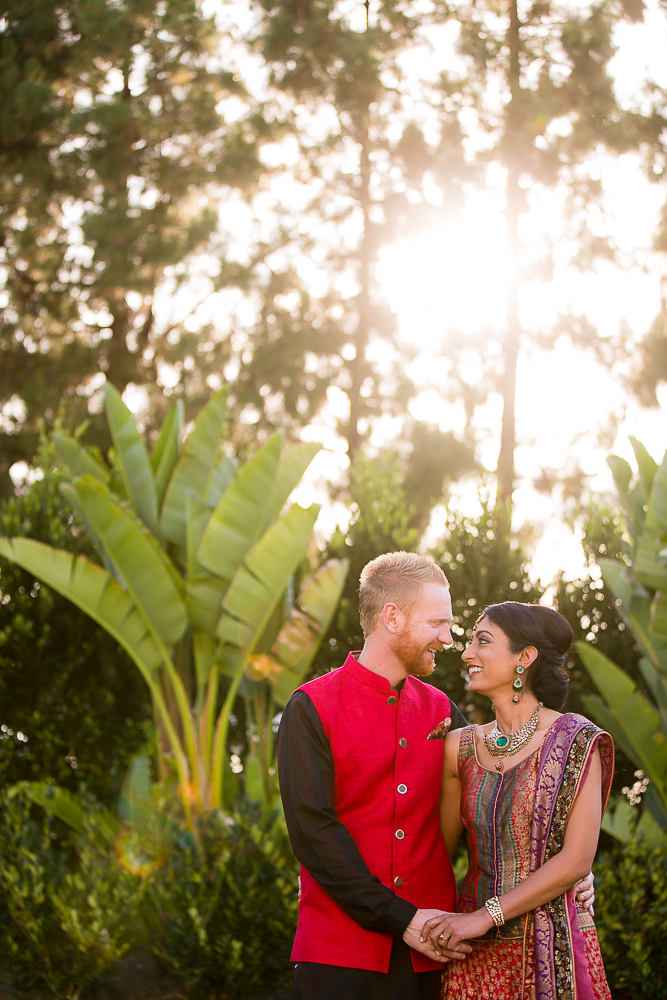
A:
426	947
449	931
585	893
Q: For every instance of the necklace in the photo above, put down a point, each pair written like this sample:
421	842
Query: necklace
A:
501	744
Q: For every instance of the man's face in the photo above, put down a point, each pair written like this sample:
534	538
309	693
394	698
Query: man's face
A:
425	631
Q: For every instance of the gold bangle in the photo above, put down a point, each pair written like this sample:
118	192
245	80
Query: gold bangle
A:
495	911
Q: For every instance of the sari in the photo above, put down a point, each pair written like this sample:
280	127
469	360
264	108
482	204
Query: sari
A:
516	821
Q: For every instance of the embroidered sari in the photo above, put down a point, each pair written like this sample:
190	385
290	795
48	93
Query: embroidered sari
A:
516	820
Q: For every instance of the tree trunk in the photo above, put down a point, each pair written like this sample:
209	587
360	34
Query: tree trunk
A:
512	331
358	367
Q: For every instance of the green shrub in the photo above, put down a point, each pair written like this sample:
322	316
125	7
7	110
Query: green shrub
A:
227	910
631	918
64	681
69	910
219	906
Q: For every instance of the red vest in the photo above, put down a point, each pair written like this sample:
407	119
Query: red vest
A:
388	780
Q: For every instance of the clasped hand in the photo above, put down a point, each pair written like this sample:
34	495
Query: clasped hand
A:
414	938
447	932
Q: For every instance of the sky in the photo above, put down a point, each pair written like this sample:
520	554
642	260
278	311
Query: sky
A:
454	276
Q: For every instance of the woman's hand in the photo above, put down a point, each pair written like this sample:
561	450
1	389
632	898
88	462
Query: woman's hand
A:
450	929
585	892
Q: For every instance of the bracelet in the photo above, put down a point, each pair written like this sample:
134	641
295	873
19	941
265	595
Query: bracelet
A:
495	911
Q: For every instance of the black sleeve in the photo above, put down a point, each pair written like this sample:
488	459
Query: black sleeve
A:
458	718
320	841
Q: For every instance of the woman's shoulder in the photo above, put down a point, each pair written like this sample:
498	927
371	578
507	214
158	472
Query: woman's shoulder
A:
574	734
574	721
459	743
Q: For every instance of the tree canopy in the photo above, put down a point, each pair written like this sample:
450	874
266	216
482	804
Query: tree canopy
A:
115	147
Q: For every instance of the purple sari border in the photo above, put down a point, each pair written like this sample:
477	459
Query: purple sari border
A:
563	765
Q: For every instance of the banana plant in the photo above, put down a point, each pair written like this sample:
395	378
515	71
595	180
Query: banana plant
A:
197	561
638	721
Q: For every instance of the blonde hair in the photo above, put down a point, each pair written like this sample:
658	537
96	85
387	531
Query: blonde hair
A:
395	577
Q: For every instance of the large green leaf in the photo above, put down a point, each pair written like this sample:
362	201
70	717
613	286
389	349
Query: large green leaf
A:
293	463
619	820
93	590
222	475
633	500
197	516
144	568
236	523
299	640
635	716
596	709
195	468
167	449
204	592
132	458
635	606
647	466
655	798
622	473
253	778
70	495
655	681
320	595
659	613
78	459
651	833
659	497
647	565
102	824
261	582
203	598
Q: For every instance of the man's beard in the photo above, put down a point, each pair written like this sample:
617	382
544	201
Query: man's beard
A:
412	656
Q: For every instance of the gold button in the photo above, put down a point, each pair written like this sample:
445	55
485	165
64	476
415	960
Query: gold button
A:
402	742
398	880
392	699
402	789
399	835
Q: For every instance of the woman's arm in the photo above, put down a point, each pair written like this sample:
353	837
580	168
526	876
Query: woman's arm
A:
554	878
450	796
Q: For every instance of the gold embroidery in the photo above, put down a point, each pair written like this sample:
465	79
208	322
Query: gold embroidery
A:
493	971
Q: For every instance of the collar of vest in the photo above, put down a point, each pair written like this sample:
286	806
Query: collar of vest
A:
366	676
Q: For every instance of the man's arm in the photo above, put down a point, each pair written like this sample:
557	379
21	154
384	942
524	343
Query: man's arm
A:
320	841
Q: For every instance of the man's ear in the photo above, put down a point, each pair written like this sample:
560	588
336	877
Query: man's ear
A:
392	617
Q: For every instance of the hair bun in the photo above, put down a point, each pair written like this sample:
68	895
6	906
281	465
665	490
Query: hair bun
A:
551	635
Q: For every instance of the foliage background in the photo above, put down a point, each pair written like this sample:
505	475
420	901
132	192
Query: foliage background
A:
64	682
133	137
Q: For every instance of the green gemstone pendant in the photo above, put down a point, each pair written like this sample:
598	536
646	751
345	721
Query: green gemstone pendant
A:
502	741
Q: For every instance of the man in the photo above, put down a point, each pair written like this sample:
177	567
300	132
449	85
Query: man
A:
360	757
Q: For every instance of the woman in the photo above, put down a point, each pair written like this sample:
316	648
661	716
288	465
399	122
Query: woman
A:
532	788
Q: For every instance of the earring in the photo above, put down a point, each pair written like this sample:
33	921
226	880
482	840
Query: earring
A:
517	685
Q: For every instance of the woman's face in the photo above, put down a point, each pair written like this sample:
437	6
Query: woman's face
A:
490	662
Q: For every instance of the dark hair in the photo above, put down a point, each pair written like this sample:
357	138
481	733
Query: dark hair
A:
550	634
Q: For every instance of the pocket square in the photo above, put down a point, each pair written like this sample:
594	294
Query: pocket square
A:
440	730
